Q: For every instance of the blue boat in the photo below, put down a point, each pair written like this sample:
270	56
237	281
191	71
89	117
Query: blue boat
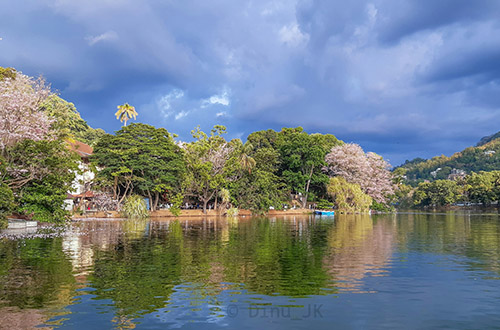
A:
323	212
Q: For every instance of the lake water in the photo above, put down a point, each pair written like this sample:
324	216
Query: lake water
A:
405	271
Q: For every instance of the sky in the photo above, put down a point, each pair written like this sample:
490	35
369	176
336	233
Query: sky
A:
404	79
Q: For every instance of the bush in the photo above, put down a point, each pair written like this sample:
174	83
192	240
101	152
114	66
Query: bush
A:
323	204
348	197
380	207
232	212
177	200
6	204
44	202
135	208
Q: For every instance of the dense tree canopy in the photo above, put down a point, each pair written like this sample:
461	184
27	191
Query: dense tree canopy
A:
212	163
41	173
142	159
68	123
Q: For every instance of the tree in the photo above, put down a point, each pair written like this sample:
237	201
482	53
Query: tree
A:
41	173
261	188
6	203
7	73
348	197
370	171
246	161
302	160
483	187
436	193
67	122
21	115
211	164
140	159
125	112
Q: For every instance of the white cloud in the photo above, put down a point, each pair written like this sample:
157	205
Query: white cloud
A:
221	114
165	102
181	114
222	99
106	36
291	35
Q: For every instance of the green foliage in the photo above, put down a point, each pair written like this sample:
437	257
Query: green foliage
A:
9	73
483	187
262	188
135	208
381	207
176	201
6	204
302	159
348	197
142	159
43	172
44	201
212	164
324	204
232	212
488	139
299	158
436	193
125	112
485	157
68	123
403	197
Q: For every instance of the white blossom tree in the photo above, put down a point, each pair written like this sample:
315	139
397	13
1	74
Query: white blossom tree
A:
21	116
369	170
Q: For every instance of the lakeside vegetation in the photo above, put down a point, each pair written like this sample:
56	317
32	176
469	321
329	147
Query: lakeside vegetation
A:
469	177
270	170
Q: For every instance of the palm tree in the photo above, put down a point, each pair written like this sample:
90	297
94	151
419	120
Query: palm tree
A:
246	161
125	112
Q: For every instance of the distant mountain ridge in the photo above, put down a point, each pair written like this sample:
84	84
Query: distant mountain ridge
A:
487	139
485	156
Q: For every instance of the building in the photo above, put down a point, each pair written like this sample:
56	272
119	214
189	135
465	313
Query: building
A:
81	185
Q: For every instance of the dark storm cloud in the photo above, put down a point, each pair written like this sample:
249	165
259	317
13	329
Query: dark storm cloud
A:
404	18
402	78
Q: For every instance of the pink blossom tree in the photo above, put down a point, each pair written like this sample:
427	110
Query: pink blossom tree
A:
21	116
369	170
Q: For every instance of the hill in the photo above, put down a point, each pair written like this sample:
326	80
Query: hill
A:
485	156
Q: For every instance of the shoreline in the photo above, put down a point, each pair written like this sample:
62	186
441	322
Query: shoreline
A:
187	214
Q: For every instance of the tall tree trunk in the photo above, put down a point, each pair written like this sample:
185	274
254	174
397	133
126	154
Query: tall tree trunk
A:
304	203
115	188
157	198
215	204
205	201
150	200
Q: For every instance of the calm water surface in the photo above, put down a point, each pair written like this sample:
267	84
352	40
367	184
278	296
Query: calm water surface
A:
406	271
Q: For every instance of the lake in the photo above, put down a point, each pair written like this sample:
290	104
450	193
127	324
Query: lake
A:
404	271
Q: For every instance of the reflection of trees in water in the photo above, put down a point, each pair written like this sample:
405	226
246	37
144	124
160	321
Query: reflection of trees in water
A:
358	247
147	266
36	281
207	255
463	234
274	256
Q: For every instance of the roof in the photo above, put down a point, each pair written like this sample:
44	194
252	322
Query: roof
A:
87	194
84	150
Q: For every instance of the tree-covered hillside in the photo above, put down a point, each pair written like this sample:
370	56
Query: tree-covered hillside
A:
483	157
